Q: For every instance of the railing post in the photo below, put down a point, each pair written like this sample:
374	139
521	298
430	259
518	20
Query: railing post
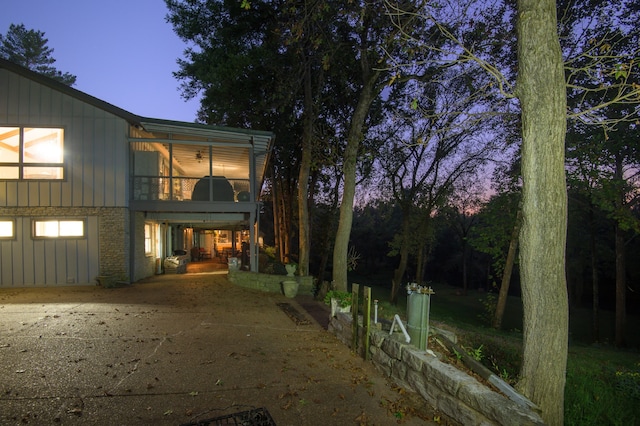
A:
366	319
355	292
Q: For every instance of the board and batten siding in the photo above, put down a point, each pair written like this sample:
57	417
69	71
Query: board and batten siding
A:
95	189
95	146
43	262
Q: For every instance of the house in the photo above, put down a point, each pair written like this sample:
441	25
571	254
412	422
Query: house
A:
88	189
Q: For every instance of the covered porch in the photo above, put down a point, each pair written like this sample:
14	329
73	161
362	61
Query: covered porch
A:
200	186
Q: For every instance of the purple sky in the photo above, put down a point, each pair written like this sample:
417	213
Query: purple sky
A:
122	51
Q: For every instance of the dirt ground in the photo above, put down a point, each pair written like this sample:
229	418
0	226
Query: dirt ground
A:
178	349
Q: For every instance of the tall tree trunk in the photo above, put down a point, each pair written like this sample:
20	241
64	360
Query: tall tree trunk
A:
304	236
275	205
621	288
542	93
341	246
594	276
621	269
465	279
284	222
420	265
330	226
396	282
506	274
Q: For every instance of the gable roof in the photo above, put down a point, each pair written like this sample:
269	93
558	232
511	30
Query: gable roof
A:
260	140
68	90
152	124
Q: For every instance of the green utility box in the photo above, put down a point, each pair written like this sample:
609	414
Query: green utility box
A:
418	305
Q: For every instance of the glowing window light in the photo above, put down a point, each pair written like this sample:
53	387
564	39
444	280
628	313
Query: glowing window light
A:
58	228
6	229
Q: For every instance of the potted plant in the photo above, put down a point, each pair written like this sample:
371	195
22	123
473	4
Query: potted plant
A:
340	301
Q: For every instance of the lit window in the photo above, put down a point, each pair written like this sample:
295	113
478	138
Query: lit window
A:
31	153
7	229
148	239
58	228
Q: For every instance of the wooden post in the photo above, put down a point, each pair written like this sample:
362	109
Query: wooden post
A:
355	292
366	320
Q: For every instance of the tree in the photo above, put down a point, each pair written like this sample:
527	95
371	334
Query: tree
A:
461	215
541	89
428	149
29	49
604	83
246	78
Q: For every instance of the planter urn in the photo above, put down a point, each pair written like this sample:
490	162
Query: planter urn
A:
290	288
291	269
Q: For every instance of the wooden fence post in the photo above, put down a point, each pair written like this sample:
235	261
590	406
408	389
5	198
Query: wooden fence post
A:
366	320
355	299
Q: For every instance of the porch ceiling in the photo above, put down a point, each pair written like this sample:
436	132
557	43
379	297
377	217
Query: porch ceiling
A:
201	220
229	147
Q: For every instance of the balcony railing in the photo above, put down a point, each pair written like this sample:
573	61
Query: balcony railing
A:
149	188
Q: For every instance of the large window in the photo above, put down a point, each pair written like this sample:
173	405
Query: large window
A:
48	228
31	153
7	229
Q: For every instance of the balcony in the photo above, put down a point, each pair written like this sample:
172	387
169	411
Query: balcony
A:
208	189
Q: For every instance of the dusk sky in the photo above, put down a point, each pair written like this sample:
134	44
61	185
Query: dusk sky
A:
122	51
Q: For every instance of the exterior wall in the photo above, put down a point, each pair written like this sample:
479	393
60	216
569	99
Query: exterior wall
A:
143	265
95	145
114	242
25	261
95	188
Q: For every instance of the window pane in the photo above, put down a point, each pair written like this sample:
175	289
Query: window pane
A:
9	173
43	173
6	229
43	145
59	228
71	228
46	228
9	145
147	238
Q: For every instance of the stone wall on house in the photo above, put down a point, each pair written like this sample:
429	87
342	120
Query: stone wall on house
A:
114	242
443	386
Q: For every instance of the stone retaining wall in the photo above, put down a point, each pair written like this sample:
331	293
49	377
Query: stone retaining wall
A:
443	386
269	282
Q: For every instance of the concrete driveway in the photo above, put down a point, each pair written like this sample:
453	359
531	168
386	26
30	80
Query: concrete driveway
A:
178	349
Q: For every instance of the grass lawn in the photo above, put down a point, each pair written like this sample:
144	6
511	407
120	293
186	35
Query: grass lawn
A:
603	383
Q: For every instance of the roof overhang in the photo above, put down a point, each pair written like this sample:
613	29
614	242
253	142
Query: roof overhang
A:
201	220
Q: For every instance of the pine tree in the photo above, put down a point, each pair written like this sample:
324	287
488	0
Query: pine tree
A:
29	49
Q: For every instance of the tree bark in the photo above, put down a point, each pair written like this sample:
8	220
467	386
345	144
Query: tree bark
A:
341	246
506	274
304	236
542	93
594	276
396	282
621	289
621	277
